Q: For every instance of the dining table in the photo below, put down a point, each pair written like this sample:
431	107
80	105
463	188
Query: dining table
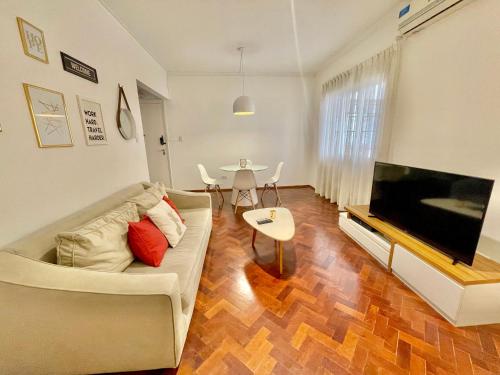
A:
253	193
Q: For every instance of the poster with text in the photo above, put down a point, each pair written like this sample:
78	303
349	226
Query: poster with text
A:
93	125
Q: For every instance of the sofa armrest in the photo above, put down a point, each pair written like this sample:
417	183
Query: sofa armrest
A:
57	319
185	199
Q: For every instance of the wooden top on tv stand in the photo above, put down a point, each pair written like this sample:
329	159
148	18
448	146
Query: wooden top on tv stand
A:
483	271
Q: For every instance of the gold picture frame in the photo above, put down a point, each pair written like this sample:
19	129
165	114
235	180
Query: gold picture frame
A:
33	41
49	116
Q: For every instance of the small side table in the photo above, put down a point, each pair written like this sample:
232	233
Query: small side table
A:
280	230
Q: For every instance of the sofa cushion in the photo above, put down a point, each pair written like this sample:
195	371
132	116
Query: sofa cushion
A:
161	187
147	200
196	217
186	260
41	244
100	244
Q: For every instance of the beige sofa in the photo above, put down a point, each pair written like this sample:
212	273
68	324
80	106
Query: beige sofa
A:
63	320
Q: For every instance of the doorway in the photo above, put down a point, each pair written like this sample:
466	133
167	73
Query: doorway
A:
155	134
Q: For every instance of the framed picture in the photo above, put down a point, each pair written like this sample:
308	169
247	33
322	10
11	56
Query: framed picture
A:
33	41
48	114
93	125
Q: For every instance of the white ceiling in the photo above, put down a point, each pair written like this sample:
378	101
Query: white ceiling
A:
201	36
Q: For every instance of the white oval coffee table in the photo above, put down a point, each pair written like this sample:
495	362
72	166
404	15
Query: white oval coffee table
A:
280	230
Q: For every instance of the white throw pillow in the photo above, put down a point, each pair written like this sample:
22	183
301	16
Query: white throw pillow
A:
168	222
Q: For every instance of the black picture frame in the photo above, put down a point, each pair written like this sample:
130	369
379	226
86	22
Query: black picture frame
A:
76	67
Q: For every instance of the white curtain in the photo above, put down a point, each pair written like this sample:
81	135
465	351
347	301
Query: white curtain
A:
354	128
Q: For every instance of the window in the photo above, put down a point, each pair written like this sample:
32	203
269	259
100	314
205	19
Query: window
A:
351	125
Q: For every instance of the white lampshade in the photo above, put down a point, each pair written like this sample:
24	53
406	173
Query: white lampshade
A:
243	106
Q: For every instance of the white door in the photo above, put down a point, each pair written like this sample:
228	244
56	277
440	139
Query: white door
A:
155	140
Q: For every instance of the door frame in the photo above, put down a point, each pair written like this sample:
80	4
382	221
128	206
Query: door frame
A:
157	99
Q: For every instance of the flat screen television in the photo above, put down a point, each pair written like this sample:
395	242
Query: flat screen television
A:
442	209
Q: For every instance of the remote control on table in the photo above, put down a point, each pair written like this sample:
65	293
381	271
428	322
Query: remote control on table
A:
264	221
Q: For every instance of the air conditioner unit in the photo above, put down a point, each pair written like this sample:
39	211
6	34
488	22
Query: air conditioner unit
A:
419	12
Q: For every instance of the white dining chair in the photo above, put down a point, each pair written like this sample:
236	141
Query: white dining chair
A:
209	182
271	183
244	182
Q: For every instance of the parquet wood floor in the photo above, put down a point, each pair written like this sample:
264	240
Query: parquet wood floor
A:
334	311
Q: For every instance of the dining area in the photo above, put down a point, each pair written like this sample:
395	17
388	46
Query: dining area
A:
244	186
274	222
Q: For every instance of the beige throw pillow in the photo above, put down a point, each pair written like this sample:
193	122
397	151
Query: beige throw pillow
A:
100	244
168	222
161	187
147	200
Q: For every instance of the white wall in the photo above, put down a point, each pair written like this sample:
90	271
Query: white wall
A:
37	185
201	112
448	103
373	40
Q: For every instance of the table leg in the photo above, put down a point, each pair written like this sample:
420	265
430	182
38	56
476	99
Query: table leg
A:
280	247
253	237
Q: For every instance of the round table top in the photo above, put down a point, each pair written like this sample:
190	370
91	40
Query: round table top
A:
236	167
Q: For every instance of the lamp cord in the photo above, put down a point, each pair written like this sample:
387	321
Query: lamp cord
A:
241	69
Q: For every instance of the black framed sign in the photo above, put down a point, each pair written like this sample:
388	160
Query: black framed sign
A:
72	65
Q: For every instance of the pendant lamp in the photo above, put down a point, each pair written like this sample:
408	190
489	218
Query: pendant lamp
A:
243	105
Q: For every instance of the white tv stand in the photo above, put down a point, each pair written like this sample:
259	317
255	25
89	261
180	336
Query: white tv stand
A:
464	295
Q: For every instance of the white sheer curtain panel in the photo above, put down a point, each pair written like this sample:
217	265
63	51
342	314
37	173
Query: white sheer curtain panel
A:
355	128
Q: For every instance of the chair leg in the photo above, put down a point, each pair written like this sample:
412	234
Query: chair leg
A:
262	195
251	199
236	202
278	199
217	187
217	193
280	251
208	188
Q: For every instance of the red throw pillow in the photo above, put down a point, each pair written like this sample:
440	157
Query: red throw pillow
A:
171	203
147	242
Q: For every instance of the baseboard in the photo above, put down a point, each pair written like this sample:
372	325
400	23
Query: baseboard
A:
262	187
